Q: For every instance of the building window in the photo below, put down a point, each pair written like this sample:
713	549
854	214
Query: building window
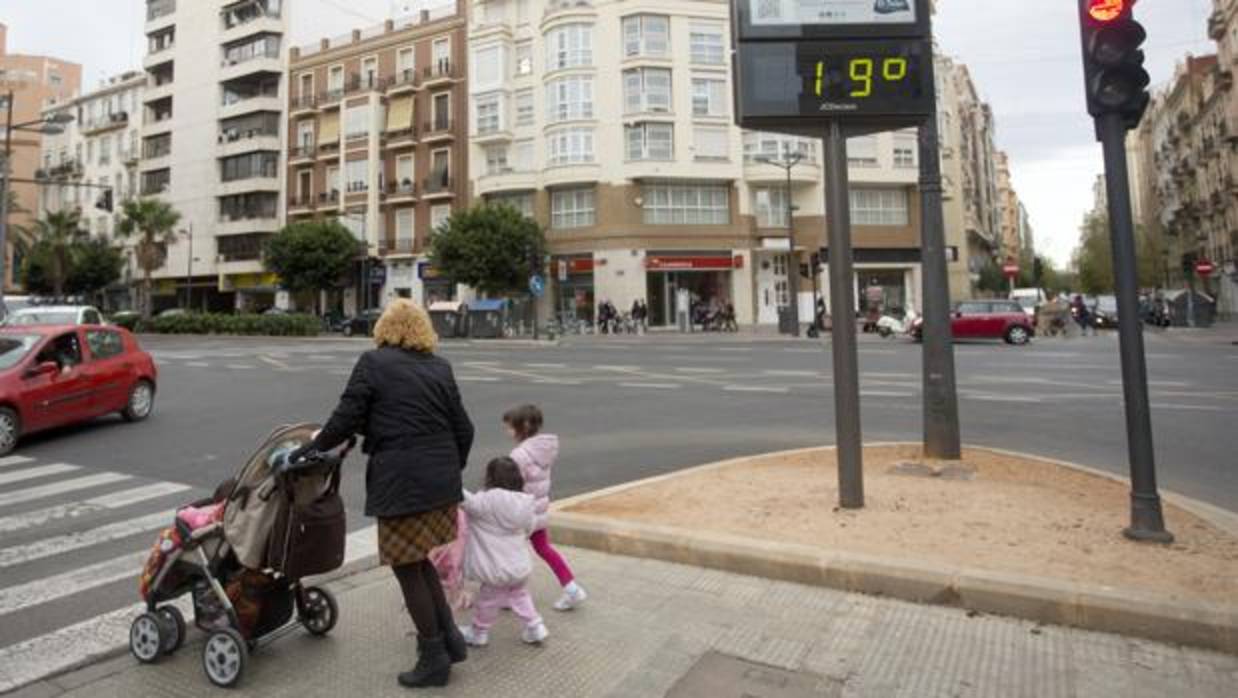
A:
524	108
572	208
333	180
646	35
862	152
522	160
708	97
369	72
879	207
569	46
105	150
487	67
249	49
156	181
305	136
778	147
669	203
440	169
711	143
250	206
570	146
770	204
405	60
488	120
439	215
442	111
441	55
249	166
404	229
707	44
522	201
569	98
647	90
335	79
650	141
496	160
524	58
905	152
356	176
404	171
357	122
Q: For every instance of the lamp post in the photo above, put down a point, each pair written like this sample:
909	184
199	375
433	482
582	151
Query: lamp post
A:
48	125
189	269
793	266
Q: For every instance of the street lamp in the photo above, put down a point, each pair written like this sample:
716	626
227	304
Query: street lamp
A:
50	125
793	267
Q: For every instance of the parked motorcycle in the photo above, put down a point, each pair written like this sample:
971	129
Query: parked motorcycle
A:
889	326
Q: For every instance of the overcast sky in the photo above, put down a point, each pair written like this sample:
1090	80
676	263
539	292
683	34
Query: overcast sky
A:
1023	54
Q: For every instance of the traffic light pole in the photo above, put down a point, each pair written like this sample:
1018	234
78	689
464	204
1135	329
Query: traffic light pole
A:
1147	520
842	306
5	188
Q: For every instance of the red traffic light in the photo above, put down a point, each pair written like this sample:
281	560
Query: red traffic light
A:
1107	10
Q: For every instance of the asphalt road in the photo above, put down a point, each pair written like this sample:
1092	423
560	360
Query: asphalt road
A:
79	507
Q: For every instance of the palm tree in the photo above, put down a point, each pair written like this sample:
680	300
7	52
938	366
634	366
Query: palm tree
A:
154	222
58	233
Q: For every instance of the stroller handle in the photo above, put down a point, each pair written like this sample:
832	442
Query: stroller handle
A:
315	460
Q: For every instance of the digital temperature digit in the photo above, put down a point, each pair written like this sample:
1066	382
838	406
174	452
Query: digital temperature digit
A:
861	72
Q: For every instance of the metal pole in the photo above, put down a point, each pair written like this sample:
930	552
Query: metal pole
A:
842	305
793	267
1147	521
941	399
190	280
4	201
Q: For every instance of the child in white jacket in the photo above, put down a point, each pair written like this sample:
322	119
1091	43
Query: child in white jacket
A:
496	553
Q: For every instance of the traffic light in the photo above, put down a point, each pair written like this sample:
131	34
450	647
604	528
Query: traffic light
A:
105	201
1115	79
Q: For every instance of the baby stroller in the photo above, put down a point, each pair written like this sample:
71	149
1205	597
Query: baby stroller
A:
281	522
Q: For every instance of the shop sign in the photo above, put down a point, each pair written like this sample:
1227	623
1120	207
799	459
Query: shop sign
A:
674	263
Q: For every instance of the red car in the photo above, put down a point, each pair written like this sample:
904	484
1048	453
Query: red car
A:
988	320
51	376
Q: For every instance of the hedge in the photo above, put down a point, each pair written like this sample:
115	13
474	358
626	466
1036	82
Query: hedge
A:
219	323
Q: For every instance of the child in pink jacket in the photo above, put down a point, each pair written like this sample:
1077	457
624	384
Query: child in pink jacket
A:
500	519
536	454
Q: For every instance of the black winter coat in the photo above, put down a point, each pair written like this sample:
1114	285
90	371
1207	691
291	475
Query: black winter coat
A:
417	434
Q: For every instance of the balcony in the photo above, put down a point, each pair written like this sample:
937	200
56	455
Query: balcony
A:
268	182
398	247
302	105
1216	25
268	62
760	173
70	169
301	205
158	125
329	199
492	135
156	92
236	144
562	10
401	192
159	14
507	179
437	188
255	223
249	17
302	154
159	57
404	138
108	122
269	103
402	82
441	73
435	131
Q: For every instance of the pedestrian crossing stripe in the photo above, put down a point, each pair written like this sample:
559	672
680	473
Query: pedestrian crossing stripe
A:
14	460
58	545
116	500
8	476
63	487
58	586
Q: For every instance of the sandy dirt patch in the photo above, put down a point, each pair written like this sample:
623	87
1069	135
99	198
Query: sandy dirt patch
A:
1014	515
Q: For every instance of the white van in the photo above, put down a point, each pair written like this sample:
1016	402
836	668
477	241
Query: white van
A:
1029	299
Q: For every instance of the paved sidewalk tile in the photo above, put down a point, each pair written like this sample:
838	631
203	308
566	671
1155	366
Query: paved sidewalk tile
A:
647	624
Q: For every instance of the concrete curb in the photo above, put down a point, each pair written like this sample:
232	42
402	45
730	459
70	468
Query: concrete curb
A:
1043	600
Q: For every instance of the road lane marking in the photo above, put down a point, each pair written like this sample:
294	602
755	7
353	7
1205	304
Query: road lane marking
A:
884	393
701	370
1162	384
735	349
267	359
1003	398
42	491
239	367
39	591
31	473
57	545
793	374
14	460
612	367
546	365
114	500
477	379
197	364
877	374
1199	408
652	386
754	389
803	351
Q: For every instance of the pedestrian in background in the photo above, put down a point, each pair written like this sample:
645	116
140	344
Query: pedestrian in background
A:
500	519
536	454
403	399
1083	314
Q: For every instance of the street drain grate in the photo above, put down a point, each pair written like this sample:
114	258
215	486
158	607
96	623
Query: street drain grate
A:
718	675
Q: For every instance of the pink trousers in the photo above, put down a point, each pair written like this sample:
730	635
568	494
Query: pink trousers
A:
541	546
490	600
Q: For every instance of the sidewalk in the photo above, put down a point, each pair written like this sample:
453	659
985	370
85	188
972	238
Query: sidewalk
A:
648	624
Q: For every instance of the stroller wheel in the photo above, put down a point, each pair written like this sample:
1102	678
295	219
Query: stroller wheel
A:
146	637
318	611
224	657
174	623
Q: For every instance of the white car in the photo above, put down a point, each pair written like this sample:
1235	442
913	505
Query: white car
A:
56	315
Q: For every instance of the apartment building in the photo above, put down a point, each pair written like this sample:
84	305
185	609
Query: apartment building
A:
98	150
1222	120
213	114
33	81
972	209
1010	212
378	130
611	125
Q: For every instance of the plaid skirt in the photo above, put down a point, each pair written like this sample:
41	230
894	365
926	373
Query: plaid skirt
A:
406	539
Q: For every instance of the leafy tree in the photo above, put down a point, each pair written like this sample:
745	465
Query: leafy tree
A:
311	256
35	272
490	247
95	264
58	234
992	280
153	222
1094	258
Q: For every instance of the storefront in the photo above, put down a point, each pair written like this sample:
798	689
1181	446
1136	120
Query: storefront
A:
435	287
254	292
888	279
574	294
705	277
401	280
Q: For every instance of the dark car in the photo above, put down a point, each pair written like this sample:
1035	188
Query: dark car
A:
989	319
53	375
362	324
1105	312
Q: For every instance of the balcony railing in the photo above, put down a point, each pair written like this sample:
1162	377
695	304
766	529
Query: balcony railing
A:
329	197
159	8
405	188
402	246
304	201
304	152
437	185
436	126
304	102
234	135
69	168
403	78
441	70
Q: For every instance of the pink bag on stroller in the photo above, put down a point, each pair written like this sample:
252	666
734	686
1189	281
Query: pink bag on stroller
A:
449	561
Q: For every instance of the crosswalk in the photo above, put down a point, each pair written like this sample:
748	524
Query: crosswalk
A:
73	541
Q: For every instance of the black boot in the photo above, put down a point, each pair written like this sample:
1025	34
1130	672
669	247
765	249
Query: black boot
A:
453	641
433	665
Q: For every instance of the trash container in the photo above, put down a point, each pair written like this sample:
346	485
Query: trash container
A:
448	318
486	319
786	321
